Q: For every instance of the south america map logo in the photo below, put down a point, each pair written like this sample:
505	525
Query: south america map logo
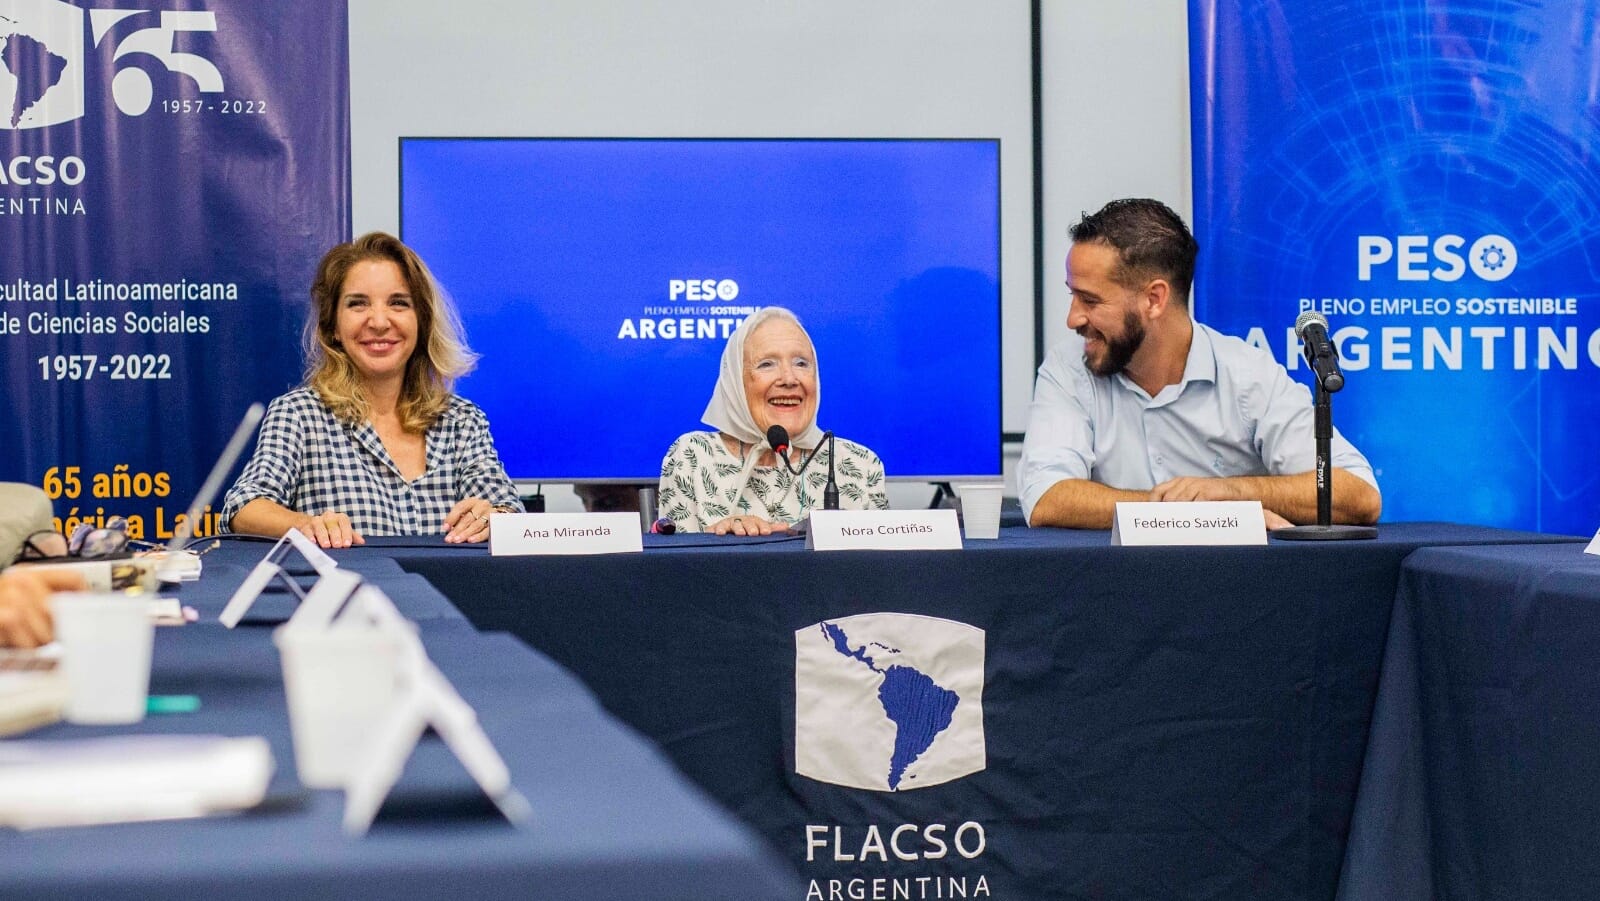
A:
42	58
41	64
889	701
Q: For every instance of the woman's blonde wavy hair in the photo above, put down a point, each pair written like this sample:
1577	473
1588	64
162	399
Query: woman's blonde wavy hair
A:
441	354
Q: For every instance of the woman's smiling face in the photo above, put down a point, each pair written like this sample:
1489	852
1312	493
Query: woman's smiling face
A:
780	376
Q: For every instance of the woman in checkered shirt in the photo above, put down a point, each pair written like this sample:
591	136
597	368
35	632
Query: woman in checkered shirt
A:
375	442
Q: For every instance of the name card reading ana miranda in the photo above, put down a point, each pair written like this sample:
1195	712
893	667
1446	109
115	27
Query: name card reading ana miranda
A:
1143	523
883	530
522	534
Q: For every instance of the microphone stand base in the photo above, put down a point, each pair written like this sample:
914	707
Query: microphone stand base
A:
1324	533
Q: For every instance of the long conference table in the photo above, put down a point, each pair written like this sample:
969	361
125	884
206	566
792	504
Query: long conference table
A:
1483	768
1225	723
612	818
1155	722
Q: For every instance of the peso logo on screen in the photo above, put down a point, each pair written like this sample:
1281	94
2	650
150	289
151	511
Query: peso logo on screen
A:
889	701
686	316
702	289
42	60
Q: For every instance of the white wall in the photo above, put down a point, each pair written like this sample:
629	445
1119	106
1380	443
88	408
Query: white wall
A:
1115	99
1115	119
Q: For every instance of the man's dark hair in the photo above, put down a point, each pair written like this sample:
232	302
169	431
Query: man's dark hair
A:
1151	241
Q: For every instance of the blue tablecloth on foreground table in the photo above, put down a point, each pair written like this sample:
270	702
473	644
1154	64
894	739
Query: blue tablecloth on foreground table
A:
1483	771
612	818
226	567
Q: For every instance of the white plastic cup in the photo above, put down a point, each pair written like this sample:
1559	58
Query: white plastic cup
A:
980	509
340	682
106	641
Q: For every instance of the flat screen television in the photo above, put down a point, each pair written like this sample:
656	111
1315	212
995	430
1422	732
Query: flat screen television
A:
600	278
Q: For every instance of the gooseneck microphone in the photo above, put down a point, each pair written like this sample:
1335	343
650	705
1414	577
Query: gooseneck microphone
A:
830	494
778	437
1321	355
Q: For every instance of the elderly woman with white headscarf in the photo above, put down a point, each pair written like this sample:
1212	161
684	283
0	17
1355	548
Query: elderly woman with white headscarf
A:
731	480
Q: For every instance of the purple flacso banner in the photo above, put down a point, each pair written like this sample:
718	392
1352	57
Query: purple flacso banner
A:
169	175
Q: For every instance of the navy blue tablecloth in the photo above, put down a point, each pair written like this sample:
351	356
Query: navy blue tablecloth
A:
230	563
612	818
1159	722
1483	770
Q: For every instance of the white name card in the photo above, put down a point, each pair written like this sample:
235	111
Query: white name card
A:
1188	522
883	530
521	534
269	568
1594	545
316	556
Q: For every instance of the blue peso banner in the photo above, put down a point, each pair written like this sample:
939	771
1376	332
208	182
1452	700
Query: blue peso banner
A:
1426	176
170	173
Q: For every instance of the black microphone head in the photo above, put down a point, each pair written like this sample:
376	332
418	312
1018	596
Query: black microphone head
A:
1307	318
778	437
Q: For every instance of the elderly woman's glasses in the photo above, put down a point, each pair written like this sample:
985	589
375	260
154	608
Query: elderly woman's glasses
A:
88	541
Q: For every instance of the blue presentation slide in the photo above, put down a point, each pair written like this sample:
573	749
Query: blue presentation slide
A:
600	279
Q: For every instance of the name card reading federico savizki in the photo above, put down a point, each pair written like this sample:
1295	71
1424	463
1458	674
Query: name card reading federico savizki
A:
883	530
1188	522
522	534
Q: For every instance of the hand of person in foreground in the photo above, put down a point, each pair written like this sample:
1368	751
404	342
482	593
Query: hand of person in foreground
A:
25	604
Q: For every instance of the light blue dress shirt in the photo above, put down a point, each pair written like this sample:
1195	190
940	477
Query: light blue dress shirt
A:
1236	413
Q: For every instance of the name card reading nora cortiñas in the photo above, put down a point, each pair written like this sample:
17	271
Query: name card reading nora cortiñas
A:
883	530
1188	522
520	534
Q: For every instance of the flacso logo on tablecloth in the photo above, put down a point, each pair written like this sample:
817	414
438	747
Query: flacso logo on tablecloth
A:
42	59
888	701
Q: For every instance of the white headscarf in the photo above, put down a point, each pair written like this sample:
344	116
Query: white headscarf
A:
729	409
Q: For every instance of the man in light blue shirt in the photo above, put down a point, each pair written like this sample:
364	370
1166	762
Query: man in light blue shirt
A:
1144	404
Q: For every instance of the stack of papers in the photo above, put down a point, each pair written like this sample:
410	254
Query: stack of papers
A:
175	566
125	574
129	778
33	691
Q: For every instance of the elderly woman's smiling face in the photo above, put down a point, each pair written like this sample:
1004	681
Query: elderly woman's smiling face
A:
780	376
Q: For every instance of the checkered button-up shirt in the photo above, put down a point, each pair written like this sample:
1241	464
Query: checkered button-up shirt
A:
309	461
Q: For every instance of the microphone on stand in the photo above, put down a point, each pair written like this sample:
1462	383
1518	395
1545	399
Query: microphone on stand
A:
778	437
1312	327
1321	355
830	494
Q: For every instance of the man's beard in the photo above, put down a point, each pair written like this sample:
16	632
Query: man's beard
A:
1120	350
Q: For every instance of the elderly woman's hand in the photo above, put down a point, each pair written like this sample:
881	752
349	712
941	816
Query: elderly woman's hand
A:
746	524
